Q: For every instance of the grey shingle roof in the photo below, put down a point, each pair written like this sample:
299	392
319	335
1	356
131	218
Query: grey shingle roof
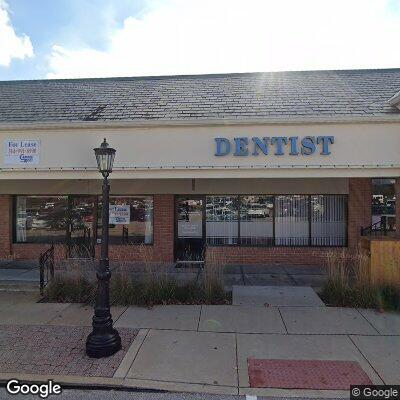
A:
272	95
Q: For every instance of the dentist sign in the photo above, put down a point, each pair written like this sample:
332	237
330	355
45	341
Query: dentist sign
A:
275	145
21	152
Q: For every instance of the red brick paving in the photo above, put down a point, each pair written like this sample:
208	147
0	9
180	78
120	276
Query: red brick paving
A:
55	350
306	374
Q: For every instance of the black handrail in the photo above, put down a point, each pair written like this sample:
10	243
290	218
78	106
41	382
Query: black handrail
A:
378	228
46	268
125	235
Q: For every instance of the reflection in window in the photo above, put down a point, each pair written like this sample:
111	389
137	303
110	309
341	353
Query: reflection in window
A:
222	220
256	220
190	218
140	227
82	211
384	203
41	219
291	220
328	220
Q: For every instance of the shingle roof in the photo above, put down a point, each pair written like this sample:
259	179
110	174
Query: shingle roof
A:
272	95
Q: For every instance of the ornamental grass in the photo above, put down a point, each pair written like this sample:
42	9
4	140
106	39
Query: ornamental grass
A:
349	282
144	284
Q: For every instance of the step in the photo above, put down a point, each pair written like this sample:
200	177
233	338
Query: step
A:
275	296
19	286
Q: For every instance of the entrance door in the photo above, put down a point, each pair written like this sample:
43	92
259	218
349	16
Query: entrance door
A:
190	229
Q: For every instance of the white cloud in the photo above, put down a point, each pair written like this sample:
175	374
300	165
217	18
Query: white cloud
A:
210	36
11	45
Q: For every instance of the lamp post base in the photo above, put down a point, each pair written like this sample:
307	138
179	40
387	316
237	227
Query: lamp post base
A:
103	344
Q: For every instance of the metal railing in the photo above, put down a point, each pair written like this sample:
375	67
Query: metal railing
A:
46	268
125	235
380	228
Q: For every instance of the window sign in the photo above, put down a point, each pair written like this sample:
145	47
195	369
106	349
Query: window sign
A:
21	152
120	214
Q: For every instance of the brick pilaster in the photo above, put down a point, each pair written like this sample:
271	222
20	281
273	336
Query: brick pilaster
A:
5	225
164	227
359	208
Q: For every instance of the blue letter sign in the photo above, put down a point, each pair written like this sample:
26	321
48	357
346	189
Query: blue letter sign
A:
278	145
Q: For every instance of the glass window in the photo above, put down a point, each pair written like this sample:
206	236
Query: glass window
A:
256	220
82	212
222	220
41	219
140	227
384	203
328	220
291	221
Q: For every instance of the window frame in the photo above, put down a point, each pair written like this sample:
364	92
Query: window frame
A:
96	236
309	243
14	219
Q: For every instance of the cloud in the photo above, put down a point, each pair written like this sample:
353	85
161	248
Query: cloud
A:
209	36
11	44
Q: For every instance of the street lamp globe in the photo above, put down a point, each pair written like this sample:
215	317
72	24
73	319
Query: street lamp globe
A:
105	158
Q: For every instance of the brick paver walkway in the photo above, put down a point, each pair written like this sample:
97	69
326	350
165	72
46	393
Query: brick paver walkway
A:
58	350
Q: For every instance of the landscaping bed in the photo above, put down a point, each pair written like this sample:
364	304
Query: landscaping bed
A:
349	283
155	284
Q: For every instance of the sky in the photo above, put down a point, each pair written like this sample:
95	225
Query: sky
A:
46	39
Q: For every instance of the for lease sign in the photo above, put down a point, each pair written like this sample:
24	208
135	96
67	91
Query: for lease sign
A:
21	152
120	215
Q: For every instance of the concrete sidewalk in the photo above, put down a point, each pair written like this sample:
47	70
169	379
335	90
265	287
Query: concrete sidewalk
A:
206	348
23	274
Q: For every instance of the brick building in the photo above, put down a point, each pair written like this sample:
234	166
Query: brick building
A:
262	167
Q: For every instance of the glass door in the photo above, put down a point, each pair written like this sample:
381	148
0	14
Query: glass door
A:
190	229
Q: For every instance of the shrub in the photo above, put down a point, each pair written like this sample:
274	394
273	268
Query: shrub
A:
349	283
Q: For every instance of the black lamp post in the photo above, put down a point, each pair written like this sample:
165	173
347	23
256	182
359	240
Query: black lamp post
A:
104	340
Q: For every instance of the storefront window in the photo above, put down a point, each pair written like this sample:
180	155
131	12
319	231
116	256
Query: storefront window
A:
41	219
82	226
256	220
384	204
328	220
222	220
291	221
72	220
139	213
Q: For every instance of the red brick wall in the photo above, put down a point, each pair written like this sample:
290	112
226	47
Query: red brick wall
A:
359	214
273	255
359	208
5	226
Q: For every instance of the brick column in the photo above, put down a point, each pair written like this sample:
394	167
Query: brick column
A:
397	190
359	208
5	226
164	227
